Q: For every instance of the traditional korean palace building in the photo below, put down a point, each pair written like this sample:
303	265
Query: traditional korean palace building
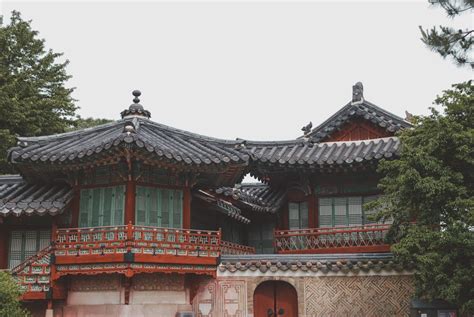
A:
135	218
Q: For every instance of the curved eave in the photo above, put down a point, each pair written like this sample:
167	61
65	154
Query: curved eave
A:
157	141
326	154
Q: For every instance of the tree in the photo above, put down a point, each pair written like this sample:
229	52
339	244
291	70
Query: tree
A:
432	183
34	99
9	297
82	123
447	41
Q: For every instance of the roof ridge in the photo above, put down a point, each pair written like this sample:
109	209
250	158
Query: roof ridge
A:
79	132
350	109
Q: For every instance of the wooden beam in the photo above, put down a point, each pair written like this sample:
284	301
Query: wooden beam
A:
130	194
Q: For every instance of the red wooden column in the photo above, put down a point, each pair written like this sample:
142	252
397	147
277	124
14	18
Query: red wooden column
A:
186	208
4	233
130	201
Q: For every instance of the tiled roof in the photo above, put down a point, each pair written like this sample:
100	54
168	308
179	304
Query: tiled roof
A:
362	109
164	142
257	197
18	197
223	206
302	152
310	263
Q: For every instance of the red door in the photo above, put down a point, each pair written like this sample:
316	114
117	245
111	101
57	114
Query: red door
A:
275	299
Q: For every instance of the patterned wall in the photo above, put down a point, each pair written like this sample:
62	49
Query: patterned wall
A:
317	296
358	296
221	298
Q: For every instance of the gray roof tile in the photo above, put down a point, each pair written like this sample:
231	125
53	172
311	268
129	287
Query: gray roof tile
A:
365	110
18	197
302	152
163	141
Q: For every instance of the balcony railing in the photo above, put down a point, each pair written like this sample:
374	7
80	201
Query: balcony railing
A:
125	250
231	248
34	275
367	238
131	244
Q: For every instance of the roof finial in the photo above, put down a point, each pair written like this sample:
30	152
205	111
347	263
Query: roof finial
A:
137	94
135	108
358	93
307	128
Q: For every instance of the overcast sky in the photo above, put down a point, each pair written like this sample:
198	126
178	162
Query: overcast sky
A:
254	70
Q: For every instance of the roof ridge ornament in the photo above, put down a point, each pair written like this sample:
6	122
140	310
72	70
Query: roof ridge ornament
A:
357	93
135	108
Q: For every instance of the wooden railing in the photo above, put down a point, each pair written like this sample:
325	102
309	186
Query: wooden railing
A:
34	275
228	248
367	238
138	240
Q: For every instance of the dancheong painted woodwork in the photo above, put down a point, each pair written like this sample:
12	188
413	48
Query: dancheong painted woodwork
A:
135	213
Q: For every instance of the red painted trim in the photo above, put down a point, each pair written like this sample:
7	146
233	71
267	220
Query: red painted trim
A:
173	259
187	208
33	295
358	129
130	194
59	293
108	258
138	258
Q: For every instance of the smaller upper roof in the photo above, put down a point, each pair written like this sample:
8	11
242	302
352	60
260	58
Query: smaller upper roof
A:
357	108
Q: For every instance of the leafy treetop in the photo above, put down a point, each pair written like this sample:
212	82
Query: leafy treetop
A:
433	184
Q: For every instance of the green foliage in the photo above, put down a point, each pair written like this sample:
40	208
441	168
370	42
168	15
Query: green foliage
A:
447	41
9	297
82	123
432	183
33	97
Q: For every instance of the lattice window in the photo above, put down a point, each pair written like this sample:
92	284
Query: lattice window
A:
103	206
298	215
344	211
159	207
26	243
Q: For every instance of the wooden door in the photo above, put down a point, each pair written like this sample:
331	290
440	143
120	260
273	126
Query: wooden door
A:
275	299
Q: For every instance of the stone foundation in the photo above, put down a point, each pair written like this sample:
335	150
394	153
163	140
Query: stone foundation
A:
231	294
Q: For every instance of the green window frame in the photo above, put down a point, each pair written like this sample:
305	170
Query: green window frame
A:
298	215
26	243
159	207
102	206
344	211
